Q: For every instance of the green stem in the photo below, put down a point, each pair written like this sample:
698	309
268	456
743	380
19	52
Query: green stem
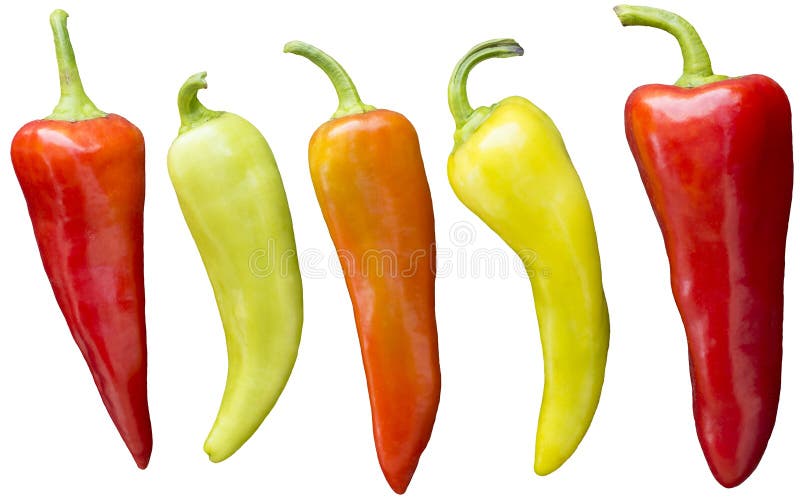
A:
457	91
349	101
192	112
73	105
696	63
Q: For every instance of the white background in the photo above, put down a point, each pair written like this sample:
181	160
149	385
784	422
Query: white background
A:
579	66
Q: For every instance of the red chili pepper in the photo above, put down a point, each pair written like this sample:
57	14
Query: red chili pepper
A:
715	156
82	174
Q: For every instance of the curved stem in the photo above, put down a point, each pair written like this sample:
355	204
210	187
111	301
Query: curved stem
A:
457	91
192	112
74	104
696	62
349	101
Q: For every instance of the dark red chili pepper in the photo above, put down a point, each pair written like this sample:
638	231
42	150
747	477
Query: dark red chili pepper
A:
82	174
715	156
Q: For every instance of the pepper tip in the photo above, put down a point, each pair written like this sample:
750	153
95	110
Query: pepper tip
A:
731	478
399	478
542	469
216	453
399	486
142	462
142	455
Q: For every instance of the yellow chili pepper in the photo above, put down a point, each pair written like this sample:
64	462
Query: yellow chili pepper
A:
510	167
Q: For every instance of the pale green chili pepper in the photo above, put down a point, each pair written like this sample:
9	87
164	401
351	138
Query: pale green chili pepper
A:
232	197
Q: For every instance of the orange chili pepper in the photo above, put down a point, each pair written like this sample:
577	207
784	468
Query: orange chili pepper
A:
370	182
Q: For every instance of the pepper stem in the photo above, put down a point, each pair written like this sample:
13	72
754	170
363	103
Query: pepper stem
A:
696	62
349	101
457	91
192	112
74	104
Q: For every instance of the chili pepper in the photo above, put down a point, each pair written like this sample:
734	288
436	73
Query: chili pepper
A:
232	196
510	167
370	182
82	173
715	157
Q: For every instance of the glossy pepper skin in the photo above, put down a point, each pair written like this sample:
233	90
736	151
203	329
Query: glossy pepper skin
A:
715	157
232	196
82	174
510	167
370	182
